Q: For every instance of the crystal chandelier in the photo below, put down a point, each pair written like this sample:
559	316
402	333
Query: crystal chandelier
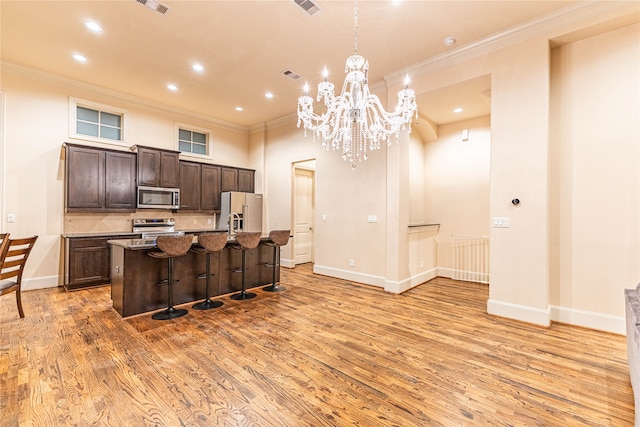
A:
355	121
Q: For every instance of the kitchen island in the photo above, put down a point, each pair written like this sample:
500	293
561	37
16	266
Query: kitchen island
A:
134	274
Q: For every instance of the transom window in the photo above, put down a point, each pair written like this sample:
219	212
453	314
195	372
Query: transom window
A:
193	141
98	123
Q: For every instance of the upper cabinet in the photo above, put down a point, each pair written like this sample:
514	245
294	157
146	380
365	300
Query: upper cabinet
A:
235	179
100	180
158	167
246	180
228	179
210	188
199	186
190	185
103	180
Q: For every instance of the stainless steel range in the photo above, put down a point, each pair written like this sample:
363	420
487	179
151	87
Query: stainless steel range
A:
151	228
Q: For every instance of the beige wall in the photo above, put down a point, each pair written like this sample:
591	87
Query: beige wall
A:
595	178
36	126
457	184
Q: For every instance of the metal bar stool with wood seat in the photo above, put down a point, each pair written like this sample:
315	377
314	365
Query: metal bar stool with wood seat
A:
245	240
277	238
171	247
13	258
210	243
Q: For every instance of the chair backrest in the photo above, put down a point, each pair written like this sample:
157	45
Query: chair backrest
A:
4	247
280	237
248	239
213	242
175	245
16	258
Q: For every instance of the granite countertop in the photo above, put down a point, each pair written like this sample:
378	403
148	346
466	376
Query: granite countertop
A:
132	234
136	244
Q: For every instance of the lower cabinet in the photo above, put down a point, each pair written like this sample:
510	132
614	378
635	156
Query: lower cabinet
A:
87	261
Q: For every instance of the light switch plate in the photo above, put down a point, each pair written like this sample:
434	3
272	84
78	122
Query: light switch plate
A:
500	222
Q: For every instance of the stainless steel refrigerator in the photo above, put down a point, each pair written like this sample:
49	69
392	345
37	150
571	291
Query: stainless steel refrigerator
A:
240	212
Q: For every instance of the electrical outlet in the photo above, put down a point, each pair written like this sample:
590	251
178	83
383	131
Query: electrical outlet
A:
421	263
11	217
351	263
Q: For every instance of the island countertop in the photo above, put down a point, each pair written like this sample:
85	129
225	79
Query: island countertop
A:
135	275
150	243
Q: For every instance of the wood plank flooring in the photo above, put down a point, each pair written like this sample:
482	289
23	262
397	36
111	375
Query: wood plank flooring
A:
325	352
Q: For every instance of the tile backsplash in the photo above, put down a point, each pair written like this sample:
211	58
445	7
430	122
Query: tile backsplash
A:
122	222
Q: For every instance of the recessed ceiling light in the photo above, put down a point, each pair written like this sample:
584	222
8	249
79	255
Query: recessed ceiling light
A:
458	110
172	87
93	26
239	108
268	95
197	67
80	58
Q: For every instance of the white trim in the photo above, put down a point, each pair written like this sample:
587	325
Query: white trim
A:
74	103
523	313
397	287
367	279
289	263
589	319
196	156
550	26
34	283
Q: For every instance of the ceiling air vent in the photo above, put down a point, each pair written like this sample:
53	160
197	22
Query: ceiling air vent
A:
291	74
308	6
154	5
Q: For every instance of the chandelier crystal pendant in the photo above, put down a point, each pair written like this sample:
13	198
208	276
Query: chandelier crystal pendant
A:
355	122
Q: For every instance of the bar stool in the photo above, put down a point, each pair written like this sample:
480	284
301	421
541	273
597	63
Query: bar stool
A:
210	243
171	247
246	240
277	238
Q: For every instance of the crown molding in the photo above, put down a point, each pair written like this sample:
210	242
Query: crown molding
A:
570	18
157	106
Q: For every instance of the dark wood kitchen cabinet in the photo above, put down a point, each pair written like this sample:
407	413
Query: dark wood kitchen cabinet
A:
246	180
99	180
210	188
228	179
199	186
236	179
87	261
190	185
158	167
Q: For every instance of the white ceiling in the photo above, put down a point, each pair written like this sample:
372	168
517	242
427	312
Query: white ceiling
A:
245	45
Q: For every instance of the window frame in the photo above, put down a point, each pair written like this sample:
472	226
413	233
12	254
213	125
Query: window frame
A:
74	103
190	128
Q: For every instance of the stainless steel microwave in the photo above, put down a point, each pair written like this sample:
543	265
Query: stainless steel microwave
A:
158	198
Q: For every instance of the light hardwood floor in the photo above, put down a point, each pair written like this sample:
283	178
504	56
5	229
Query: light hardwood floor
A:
326	352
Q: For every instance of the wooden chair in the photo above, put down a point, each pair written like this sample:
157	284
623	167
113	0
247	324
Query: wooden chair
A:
15	259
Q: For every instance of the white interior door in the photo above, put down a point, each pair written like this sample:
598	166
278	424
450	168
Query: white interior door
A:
303	215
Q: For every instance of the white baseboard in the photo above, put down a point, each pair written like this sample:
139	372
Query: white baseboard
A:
397	287
353	276
519	312
39	283
589	319
289	263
